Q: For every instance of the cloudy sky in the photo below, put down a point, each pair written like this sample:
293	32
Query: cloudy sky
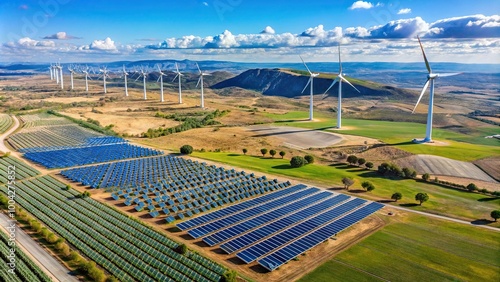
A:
249	31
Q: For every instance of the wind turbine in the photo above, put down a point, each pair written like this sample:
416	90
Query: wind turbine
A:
178	75
310	81
339	79
51	68
143	74
125	74
56	73
72	72
161	82
61	72
200	82
104	74
430	80
86	72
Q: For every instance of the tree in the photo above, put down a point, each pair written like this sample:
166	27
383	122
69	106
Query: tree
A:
297	161
245	151
408	173
426	177
352	159
263	151
186	149
472	187
368	186
229	276
369	165
282	154
272	153
309	159
495	214
396	196
182	249
361	161
348	182
421	197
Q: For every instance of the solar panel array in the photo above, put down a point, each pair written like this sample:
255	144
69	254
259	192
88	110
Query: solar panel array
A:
172	186
277	227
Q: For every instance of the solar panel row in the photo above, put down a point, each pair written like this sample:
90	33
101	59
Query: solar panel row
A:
285	254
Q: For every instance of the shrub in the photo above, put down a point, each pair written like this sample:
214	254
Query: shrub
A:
472	187
51	238
369	165
348	182
309	159
282	154
229	276
426	177
182	249
495	214
263	151
421	197
245	151
361	161
272	153
368	186
352	159
186	149
408	173
297	161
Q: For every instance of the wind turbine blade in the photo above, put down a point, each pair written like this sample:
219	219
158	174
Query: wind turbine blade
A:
309	81
421	94
176	67
158	78
175	77
305	65
425	58
198	68
347	81
449	74
199	79
333	83
340	62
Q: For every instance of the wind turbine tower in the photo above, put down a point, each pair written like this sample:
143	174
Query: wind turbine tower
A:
143	74
125	74
200	82
310	81
104	71
430	80
61	72
51	69
339	79
86	72
161	82
56	73
178	75
71	72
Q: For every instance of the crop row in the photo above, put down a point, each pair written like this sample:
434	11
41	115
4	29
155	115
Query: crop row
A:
142	256
5	122
13	166
25	268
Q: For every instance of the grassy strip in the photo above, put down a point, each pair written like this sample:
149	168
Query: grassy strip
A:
462	147
443	201
418	248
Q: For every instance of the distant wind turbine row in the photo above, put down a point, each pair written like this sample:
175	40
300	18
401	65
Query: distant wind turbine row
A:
56	73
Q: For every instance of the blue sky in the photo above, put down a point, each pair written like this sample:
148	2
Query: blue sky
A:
244	30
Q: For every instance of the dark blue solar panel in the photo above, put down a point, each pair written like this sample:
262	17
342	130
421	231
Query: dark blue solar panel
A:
252	253
244	215
283	255
266	230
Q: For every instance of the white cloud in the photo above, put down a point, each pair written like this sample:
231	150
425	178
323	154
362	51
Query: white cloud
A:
268	30
60	36
404	11
29	43
474	26
361	5
104	45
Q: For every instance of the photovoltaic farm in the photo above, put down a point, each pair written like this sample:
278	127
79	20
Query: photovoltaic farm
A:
276	228
129	250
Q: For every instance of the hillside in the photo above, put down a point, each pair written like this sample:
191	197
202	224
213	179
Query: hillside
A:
289	83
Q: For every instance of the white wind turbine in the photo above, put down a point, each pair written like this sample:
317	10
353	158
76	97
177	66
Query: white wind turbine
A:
160	79
86	72
56	73
51	69
310	81
200	82
61	72
125	74
339	79
178	75
71	72
104	75
144	75
430	80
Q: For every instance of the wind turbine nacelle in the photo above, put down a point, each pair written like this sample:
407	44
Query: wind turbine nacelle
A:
432	75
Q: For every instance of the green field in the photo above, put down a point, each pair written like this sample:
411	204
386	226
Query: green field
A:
399	134
417	248
443	201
